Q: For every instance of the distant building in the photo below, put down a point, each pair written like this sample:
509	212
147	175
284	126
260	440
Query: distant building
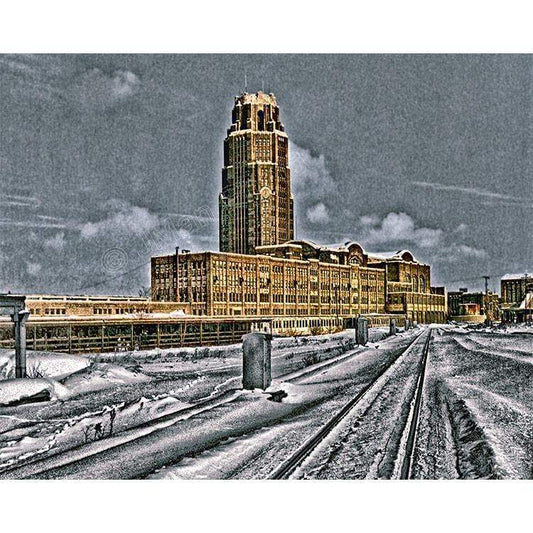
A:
408	287
517	297
298	278
52	306
462	304
256	204
455	299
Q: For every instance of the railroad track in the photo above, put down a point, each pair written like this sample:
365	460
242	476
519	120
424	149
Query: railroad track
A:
285	470
407	460
39	464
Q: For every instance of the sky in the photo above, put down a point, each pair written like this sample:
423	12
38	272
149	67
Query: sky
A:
106	160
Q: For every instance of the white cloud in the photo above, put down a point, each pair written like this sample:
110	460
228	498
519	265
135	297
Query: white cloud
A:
312	183
318	214
126	219
473	191
470	251
369	220
57	242
16	200
398	228
33	268
458	252
95	90
124	83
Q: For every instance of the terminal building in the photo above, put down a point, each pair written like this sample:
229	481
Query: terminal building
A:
299	279
261	269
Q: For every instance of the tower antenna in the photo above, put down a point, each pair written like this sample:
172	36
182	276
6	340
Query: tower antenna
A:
245	82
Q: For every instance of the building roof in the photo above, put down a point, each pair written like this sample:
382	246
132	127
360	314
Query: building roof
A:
283	245
256	98
508	277
402	255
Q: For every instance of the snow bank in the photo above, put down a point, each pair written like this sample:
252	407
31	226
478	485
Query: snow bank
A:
90	427
15	391
43	364
99	376
229	350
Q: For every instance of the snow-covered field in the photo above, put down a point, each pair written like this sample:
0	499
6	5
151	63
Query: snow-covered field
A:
96	396
181	413
477	419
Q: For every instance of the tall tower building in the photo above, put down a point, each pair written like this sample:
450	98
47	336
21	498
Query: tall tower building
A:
256	204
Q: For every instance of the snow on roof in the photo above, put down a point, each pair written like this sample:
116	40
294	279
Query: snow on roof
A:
383	256
305	241
282	245
516	276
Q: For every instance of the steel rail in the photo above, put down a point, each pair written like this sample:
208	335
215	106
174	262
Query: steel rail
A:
291	463
407	463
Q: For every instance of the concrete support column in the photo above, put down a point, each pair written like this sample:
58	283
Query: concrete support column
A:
256	366
19	322
361	331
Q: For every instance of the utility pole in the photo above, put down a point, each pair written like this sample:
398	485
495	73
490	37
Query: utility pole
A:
486	303
486	278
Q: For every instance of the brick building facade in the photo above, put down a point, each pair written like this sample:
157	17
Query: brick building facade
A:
298	278
256	204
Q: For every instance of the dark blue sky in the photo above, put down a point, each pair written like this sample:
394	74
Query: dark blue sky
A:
105	160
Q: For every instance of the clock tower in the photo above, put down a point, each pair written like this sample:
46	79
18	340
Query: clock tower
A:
256	204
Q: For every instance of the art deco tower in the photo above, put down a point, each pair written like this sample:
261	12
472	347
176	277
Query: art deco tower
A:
256	205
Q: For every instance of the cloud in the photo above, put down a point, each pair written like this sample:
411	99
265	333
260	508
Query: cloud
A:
312	182
369	220
124	83
124	218
96	90
470	251
318	214
484	193
30	224
33	268
32	77
57	242
17	200
398	228
459	252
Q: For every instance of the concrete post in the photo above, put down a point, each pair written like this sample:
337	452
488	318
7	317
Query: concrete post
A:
256	365
392	327
361	331
19	320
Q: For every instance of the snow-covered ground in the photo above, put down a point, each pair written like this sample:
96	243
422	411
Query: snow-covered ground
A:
477	419
181	413
86	391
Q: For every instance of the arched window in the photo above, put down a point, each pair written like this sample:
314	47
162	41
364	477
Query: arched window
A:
260	120
415	284
422	284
